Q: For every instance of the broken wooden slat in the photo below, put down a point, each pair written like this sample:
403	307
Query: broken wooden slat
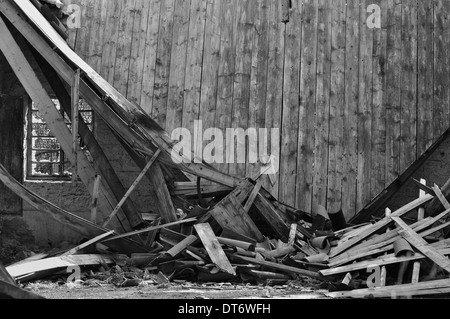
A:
132	187
5	276
237	243
273	217
214	248
281	267
441	197
88	243
146	230
181	246
152	235
423	186
48	266
381	224
420	244
252	196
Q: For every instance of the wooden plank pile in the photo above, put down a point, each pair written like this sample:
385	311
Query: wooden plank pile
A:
224	230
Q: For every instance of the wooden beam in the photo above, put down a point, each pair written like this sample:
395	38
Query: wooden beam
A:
133	186
252	196
214	248
94	201
91	242
280	267
52	117
420	244
146	230
75	90
441	197
423	186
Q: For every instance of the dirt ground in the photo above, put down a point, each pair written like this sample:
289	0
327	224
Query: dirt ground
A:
179	291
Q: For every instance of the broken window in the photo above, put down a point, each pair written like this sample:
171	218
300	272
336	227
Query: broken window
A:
44	156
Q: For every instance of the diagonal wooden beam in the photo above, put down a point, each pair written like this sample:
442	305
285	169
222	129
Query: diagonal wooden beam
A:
52	117
133	186
420	244
441	197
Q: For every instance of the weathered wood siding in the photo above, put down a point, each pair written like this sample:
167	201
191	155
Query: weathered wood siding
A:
355	105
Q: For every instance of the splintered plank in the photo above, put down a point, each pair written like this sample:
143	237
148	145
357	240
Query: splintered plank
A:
163	58
408	145
194	60
241	88
323	80
378	156
291	93
305	159
380	225
393	89
177	74
214	248
425	69
151	46
137	55
226	69
350	161
420	244
36	269
91	242
252	197
441	196
274	82
337	96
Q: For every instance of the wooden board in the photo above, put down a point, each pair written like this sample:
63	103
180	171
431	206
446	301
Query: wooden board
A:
420	244
337	95
40	267
290	119
91	242
307	106
214	248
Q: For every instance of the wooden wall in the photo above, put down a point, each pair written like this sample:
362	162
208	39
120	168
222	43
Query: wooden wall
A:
356	105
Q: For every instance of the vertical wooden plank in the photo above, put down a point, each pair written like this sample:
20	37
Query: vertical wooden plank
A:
305	163
275	78
226	70
244	45
149	68
124	45
259	78
97	38
363	193
441	67
137	56
211	59
378	110
111	36
163	58
192	87
336	106
177	74
393	89
291	99
322	104
408	146
75	100
425	85
83	34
